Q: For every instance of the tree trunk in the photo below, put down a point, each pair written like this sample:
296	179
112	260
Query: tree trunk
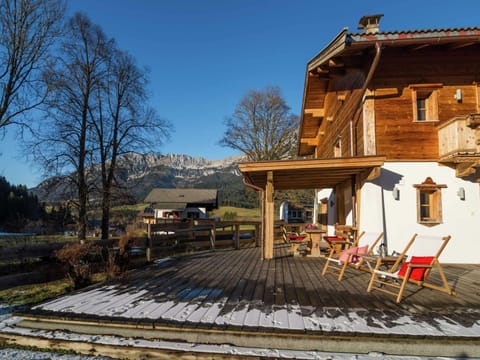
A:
105	213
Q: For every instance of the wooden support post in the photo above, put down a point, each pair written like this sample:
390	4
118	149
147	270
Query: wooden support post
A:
262	234
148	250
237	236
269	218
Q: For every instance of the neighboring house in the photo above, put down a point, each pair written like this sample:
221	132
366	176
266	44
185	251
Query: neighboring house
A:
182	203
391	122
296	214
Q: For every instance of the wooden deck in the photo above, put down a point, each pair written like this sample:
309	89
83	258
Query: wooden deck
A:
235	297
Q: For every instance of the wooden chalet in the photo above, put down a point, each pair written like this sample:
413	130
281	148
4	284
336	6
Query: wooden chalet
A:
390	135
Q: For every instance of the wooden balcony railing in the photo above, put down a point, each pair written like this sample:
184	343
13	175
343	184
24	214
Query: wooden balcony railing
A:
459	143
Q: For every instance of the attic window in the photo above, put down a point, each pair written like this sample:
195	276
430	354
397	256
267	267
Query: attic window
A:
337	147
429	202
425	102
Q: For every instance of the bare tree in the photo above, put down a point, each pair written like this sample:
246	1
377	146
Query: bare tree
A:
64	142
97	114
262	126
28	29
124	125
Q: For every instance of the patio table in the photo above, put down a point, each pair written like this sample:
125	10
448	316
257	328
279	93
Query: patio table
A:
315	236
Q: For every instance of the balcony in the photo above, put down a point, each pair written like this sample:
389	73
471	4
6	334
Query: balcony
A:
459	144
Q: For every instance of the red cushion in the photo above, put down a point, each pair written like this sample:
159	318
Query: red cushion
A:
416	273
333	238
295	237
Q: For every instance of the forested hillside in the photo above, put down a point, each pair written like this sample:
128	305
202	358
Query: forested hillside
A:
17	205
20	210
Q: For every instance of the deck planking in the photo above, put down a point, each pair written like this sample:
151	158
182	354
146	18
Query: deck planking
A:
235	290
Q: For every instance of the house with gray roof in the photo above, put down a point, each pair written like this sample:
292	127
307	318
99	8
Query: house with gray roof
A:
182	203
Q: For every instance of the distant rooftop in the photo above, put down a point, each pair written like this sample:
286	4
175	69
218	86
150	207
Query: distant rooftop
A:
182	197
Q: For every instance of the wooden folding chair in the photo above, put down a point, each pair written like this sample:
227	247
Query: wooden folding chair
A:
421	260
344	238
352	256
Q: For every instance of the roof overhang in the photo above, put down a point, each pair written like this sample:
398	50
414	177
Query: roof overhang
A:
308	173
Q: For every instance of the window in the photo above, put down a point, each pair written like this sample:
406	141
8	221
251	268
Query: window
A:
337	147
425	102
429	202
422	107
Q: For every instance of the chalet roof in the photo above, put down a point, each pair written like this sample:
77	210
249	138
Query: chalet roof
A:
180	198
347	43
308	173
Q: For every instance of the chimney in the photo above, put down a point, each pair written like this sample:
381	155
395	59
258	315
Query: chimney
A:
370	23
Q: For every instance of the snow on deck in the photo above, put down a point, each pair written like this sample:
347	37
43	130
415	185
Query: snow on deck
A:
236	289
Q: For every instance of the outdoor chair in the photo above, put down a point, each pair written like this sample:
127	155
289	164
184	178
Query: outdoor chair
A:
344	237
295	239
336	245
413	265
352	256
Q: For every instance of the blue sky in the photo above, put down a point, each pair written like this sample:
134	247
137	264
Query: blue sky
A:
204	55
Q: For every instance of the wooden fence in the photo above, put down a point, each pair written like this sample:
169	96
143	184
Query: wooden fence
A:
30	263
200	235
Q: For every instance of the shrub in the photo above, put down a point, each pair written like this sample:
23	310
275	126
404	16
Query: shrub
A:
229	215
118	261
77	257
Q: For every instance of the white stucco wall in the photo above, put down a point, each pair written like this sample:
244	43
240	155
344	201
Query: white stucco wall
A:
331	219
398	218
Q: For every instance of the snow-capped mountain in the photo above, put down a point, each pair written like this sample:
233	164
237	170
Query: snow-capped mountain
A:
139	174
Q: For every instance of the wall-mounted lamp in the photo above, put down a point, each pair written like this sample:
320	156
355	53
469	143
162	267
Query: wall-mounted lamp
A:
458	95
396	193
461	193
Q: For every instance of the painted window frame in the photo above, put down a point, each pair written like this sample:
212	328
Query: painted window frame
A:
429	93
429	202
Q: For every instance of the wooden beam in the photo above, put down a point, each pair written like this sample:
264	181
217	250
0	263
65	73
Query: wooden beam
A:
315	112
309	141
462	45
419	47
335	63
269	218
465	169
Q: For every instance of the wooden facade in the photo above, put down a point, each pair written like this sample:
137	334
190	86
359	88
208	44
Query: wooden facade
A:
376	115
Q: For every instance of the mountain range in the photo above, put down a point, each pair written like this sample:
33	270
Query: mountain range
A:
146	172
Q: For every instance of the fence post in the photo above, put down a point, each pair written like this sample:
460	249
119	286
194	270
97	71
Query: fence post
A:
148	250
213	236
237	236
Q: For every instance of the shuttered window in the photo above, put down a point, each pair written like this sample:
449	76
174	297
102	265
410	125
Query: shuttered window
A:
425	102
429	202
